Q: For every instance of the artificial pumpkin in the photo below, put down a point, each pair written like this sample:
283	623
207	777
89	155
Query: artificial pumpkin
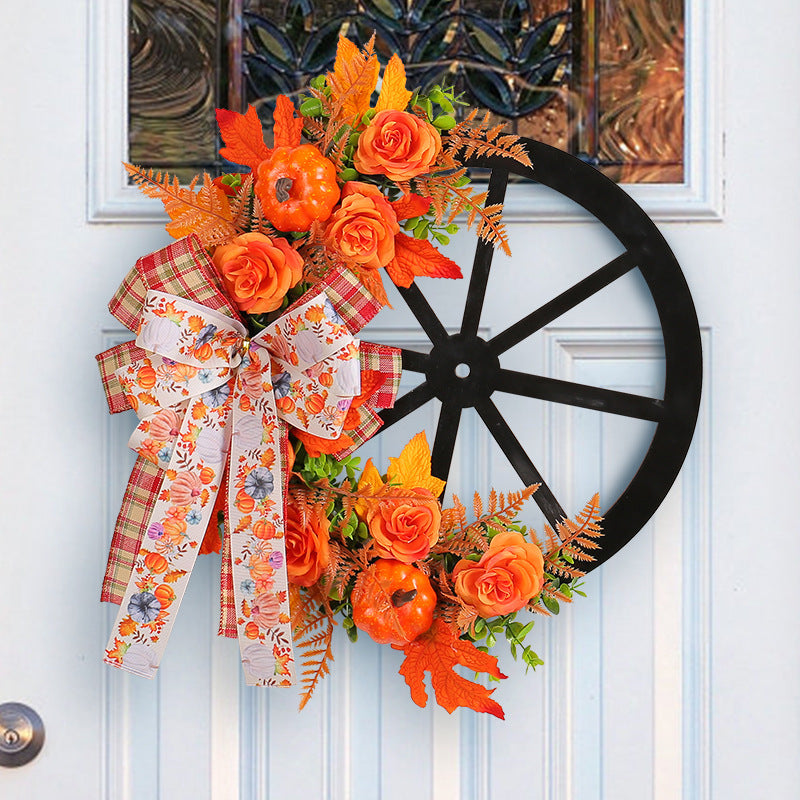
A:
393	602
296	186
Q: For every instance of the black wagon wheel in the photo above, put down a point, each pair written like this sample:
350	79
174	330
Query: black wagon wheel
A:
463	370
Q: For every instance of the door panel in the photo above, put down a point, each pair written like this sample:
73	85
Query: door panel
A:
675	678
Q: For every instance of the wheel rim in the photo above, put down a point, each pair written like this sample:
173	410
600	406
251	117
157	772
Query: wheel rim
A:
452	355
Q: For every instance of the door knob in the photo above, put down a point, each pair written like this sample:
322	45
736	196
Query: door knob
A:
21	734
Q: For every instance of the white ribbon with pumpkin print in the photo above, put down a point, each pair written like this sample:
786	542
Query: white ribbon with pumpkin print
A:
208	399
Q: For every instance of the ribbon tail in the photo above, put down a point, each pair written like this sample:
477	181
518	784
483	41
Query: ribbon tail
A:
166	556
256	497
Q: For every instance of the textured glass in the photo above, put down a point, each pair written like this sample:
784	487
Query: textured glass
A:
640	91
174	84
600	78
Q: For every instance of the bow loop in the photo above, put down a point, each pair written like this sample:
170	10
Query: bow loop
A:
188	333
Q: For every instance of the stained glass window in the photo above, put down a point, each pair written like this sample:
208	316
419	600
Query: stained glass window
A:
600	79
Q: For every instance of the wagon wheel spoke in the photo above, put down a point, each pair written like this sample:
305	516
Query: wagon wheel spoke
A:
423	312
518	459
559	305
445	442
482	264
578	394
462	370
414	361
409	402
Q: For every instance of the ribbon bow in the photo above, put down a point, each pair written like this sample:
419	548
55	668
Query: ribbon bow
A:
209	397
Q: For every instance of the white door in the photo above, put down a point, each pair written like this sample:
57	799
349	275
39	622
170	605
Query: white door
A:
676	678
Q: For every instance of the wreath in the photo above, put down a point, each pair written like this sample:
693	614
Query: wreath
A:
253	391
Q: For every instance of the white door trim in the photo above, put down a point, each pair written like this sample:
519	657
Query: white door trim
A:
110	198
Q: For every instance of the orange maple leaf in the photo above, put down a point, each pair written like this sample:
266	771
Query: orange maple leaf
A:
119	650
369	483
411	205
354	77
212	541
174	575
414	257
243	137
199	410
412	468
371	382
287	128
394	94
437	652
127	626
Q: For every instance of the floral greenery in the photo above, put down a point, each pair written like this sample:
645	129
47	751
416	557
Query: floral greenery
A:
353	549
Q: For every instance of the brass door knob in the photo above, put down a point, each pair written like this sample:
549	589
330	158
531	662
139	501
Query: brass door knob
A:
21	734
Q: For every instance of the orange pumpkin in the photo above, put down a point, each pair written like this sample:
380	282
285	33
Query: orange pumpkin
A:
393	602
263	529
296	186
315	403
165	595
156	563
244	502
204	351
251	630
285	404
146	377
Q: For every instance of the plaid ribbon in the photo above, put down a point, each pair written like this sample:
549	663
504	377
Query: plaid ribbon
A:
184	269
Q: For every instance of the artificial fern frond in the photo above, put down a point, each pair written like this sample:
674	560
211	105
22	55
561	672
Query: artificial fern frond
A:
312	628
444	193
462	539
205	212
577	535
469	139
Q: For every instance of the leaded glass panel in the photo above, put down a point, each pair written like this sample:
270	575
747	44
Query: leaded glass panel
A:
601	79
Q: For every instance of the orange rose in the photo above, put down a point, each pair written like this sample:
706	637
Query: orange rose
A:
508	575
405	528
397	144
363	228
307	552
258	271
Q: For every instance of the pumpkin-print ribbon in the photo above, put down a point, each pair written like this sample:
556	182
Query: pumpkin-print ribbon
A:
212	400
